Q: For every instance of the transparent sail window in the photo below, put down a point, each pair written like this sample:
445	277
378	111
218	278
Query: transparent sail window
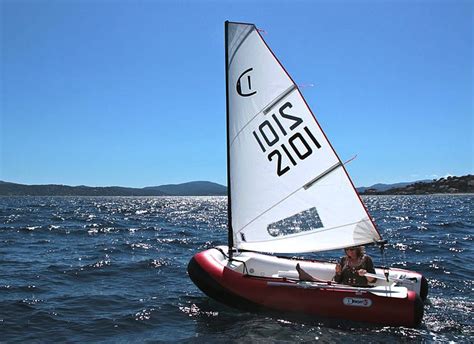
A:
307	220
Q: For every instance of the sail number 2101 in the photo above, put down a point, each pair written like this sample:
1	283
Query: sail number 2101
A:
286	140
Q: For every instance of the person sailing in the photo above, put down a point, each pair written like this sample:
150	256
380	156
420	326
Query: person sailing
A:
350	270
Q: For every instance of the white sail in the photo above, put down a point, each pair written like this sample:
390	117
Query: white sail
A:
289	190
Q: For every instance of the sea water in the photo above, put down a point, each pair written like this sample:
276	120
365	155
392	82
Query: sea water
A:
113	269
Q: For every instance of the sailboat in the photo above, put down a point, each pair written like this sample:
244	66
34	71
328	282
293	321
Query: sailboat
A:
289	192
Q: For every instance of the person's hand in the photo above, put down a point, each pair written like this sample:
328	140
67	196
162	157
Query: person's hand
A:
362	272
338	268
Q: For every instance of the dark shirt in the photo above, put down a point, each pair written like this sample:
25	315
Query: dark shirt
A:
349	274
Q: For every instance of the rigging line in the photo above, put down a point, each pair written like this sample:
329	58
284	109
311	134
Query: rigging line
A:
240	43
231	258
267	108
348	161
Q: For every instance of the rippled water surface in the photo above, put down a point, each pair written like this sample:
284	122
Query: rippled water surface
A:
114	269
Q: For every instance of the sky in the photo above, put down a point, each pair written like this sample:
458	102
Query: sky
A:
132	93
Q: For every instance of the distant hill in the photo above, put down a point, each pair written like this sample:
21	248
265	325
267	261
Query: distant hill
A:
380	187
464	184
200	188
186	189
449	185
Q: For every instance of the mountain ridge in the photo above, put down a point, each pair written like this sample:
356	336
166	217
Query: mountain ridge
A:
197	188
386	186
450	185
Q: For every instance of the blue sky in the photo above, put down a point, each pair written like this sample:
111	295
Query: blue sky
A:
132	93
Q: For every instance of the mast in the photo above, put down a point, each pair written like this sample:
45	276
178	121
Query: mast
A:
230	237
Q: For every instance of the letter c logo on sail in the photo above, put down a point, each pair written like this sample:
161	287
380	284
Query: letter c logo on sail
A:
244	84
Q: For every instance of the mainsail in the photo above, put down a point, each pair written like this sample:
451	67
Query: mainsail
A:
289	190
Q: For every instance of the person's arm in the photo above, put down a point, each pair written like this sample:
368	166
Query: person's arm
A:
369	268
338	275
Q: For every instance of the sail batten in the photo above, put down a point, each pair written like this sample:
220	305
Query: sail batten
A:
275	150
322	175
270	106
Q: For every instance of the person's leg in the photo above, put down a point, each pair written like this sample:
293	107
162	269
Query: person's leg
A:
303	275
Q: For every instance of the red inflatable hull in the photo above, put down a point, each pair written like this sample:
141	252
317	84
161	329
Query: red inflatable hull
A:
278	294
